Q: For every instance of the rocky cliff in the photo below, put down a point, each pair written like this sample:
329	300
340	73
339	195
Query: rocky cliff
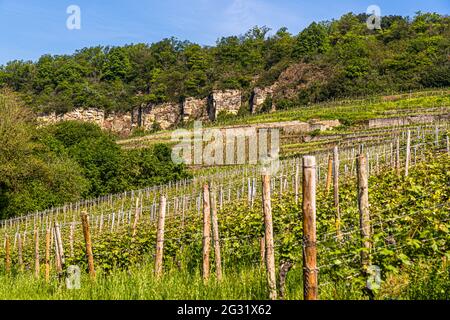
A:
259	97
163	116
194	109
120	123
220	102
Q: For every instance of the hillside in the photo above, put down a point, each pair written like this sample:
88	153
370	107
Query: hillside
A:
409	232
270	166
161	85
326	121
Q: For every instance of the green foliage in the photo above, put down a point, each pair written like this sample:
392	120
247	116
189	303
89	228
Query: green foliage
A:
312	41
116	65
101	160
267	105
33	175
108	168
50	166
409	243
155	127
70	133
154	166
405	54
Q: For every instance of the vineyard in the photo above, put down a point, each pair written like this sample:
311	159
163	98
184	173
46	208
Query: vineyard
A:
352	113
362	217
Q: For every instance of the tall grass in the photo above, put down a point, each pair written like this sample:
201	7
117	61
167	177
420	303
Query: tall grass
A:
139	283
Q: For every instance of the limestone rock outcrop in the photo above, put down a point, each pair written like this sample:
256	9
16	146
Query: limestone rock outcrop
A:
166	116
89	115
118	123
259	97
224	101
195	109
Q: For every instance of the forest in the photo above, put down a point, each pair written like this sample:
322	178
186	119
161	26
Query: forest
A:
344	57
50	166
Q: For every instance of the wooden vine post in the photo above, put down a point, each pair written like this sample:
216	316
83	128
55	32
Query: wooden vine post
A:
216	238
71	238
364	214
7	254
262	248
336	192
310	287
448	144
160	237
58	265
36	253
47	255
60	249
268	237
136	219
397	162
408	153
88	242
20	252
206	232
329	173
436	136
296	186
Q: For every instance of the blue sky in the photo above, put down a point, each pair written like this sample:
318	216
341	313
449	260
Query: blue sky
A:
31	28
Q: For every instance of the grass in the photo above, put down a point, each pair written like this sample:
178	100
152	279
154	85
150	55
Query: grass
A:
139	283
420	282
247	280
352	115
422	277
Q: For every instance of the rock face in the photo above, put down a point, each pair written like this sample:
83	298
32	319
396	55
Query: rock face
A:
299	77
148	117
119	123
169	115
47	119
89	115
258	97
165	115
226	101
195	109
116	122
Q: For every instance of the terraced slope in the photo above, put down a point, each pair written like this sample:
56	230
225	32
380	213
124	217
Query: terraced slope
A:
353	116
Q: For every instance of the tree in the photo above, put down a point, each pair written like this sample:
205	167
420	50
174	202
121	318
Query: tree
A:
279	47
33	176
17	74
153	166
311	41
108	168
116	65
198	63
405	54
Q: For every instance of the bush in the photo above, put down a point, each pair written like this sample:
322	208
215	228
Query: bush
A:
33	175
107	167
47	167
